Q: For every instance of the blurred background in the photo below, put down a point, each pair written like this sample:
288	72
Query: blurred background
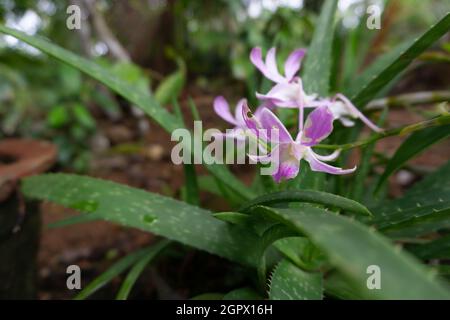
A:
190	51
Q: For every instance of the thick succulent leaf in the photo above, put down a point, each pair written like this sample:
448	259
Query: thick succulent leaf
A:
420	226
140	98
444	271
317	69
380	79
416	143
310	196
233	217
243	294
300	251
78	219
293	248
352	247
146	211
292	283
137	269
430	196
336	285
116	269
436	249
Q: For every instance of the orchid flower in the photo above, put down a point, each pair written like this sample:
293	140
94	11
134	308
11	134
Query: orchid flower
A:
344	111
289	93
318	126
269	66
222	109
288	90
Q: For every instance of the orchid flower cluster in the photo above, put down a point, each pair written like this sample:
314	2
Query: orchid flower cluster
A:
288	92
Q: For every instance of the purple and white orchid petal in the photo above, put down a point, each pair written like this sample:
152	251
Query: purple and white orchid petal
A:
260	158
293	63
317	103
318	126
257	60
346	122
238	113
283	95
269	121
358	113
317	165
329	157
249	118
222	109
286	170
288	160
271	65
258	110
253	123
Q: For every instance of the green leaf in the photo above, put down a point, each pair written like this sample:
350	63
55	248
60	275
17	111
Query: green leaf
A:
317	69
81	218
116	269
415	144
291	283
381	78
352	247
132	74
232	217
242	294
137	269
311	196
171	87
136	95
427	197
308	179
435	249
420	226
209	184
338	286
300	251
358	189
147	211
384	60
191	190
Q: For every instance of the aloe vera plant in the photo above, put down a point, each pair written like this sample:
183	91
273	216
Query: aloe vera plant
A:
302	235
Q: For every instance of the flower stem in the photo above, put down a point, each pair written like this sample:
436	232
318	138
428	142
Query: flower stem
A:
401	131
416	98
